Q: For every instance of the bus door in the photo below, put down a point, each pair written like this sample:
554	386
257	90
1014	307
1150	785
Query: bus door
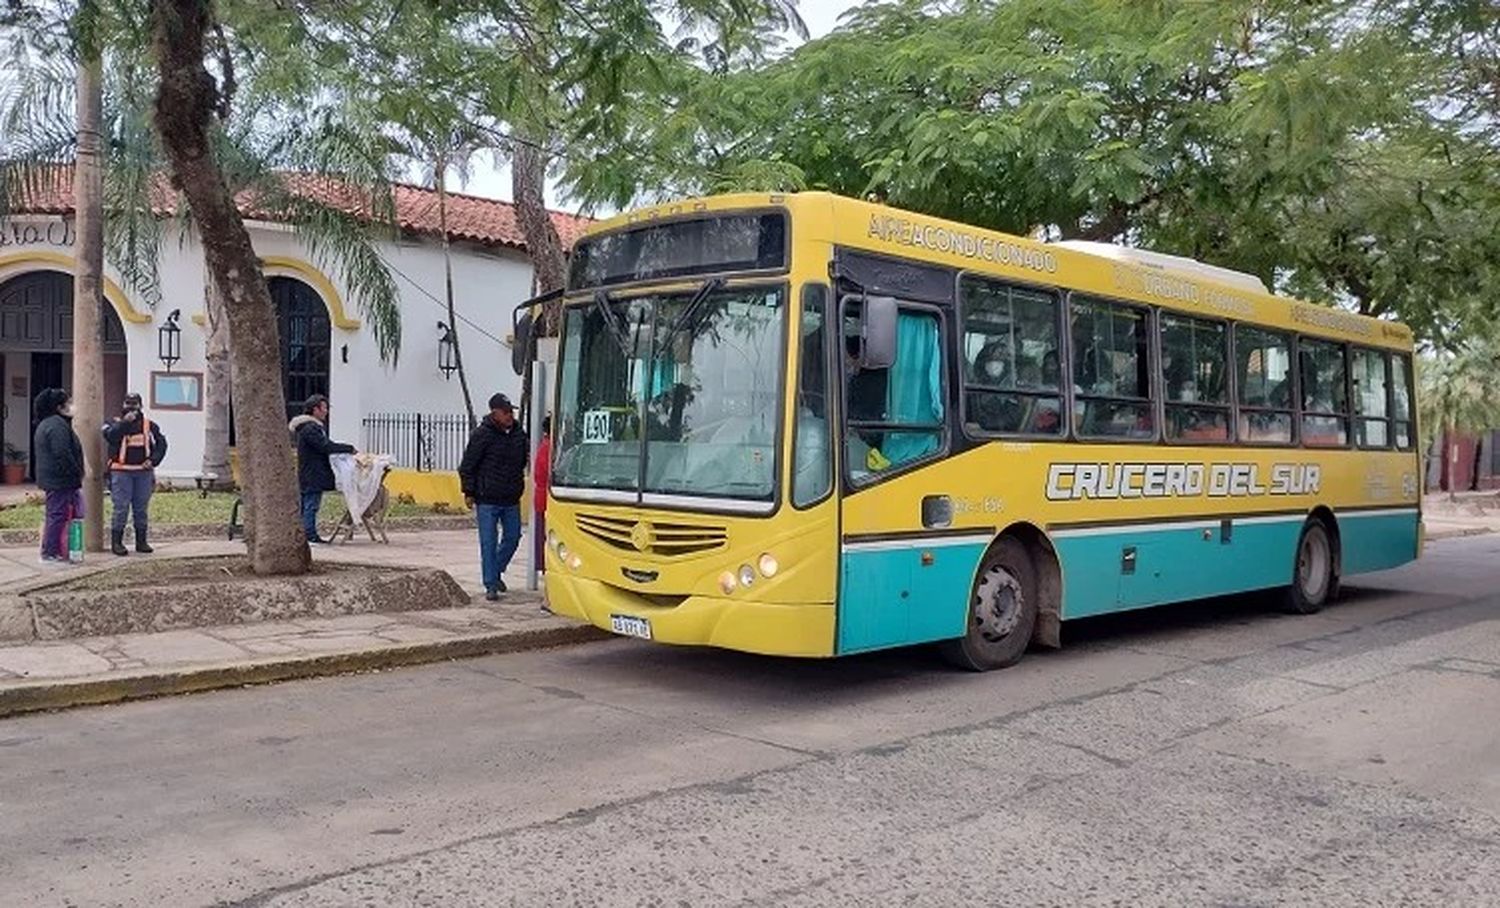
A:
897	585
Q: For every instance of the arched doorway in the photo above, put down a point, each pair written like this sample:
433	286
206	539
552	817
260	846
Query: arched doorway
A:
306	335
306	340
36	350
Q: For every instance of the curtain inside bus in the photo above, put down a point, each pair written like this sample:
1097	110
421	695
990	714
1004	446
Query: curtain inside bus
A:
914	395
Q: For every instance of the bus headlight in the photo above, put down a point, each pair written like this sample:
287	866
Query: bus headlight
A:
769	565
727	583
747	575
552	539
562	552
575	562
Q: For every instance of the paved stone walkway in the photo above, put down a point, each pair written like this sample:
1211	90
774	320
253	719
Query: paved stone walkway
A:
103	669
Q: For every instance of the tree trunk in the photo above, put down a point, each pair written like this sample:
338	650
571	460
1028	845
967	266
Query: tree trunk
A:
186	100
528	172
458	355
216	388
88	298
529	187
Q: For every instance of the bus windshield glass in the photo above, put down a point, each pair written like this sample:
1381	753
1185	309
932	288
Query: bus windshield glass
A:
689	382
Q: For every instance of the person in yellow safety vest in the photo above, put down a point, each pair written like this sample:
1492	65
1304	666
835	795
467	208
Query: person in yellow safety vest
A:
136	447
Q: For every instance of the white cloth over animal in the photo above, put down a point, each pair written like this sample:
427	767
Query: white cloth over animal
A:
360	478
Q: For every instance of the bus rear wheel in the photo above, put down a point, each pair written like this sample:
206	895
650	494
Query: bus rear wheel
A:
1002	611
1315	577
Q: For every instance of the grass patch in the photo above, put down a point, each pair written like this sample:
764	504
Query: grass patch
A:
186	508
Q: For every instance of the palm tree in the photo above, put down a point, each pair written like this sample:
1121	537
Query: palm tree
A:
330	183
1460	393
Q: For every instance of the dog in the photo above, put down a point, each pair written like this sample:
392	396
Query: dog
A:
373	519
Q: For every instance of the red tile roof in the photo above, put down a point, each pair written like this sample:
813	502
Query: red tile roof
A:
489	222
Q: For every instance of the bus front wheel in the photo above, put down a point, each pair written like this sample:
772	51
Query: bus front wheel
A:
1315	578
1002	611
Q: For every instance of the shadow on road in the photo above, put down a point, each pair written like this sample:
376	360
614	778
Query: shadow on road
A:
854	678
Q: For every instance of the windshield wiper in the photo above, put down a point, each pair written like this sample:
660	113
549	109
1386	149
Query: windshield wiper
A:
603	305
690	311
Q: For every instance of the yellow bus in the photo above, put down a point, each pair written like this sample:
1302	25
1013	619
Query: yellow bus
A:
807	425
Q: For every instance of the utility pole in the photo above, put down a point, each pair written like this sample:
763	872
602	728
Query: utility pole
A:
88	298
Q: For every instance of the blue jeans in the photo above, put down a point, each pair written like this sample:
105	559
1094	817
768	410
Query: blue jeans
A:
494	557
311	502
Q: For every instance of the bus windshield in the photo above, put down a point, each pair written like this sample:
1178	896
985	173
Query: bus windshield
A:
686	385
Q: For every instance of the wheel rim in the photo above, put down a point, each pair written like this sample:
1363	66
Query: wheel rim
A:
1313	561
998	604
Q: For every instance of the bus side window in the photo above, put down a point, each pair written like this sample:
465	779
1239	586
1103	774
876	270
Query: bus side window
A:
1195	369
812	473
1372	428
1111	369
1325	403
1264	370
895	415
1401	396
1010	363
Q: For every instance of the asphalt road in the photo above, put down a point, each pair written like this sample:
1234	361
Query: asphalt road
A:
1211	754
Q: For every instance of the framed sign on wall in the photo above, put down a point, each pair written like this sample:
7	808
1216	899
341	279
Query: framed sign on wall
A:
176	390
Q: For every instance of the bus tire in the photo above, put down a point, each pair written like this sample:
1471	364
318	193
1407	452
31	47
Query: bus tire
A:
1315	578
1002	611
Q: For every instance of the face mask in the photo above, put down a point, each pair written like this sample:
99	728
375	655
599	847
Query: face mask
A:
994	370
67	410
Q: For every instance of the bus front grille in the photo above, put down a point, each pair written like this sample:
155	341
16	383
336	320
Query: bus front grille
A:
657	538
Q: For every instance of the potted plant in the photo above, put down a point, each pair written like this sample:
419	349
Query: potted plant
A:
14	470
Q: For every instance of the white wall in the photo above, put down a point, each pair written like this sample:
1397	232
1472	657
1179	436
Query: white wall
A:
487	286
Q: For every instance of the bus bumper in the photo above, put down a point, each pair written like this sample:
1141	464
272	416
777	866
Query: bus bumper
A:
774	629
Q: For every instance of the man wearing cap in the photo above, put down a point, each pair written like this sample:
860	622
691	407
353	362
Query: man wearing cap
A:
492	476
136	447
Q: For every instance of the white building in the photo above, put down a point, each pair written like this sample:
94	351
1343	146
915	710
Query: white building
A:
324	347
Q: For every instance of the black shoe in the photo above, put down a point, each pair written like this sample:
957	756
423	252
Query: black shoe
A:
140	543
491	595
500	586
117	542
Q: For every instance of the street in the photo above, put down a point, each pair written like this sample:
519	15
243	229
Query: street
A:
1215	753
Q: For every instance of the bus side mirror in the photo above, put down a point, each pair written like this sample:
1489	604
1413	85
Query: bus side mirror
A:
878	333
520	343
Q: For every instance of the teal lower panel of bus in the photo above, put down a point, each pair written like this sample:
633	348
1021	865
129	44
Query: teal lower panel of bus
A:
1137	566
1143	565
891	595
905	592
1377	540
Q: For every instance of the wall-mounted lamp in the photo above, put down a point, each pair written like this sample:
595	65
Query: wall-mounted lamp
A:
169	340
447	351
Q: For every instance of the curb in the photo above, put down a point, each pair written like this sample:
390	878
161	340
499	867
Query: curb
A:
1458	533
34	696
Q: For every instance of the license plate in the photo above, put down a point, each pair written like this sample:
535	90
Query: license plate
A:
630	626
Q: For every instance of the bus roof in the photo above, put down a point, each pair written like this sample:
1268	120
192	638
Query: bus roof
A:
1143	275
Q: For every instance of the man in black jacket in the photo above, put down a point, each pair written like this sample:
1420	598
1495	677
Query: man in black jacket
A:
135	447
314	473
59	470
492	474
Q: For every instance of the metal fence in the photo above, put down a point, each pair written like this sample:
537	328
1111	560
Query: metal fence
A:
429	442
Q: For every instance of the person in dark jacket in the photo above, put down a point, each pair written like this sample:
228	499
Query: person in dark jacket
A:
492	475
135	447
59	470
314	473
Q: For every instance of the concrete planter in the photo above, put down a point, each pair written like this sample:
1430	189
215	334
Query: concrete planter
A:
111	601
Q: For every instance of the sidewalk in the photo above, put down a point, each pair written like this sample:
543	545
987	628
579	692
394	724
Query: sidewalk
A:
1469	514
56	674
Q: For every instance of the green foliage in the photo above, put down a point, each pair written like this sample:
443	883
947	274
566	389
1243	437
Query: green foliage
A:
261	149
1343	151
